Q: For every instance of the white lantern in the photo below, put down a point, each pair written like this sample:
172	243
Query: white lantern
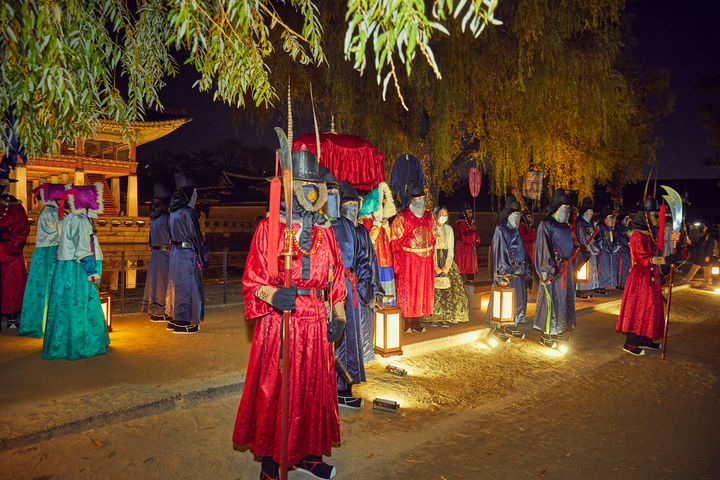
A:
106	305
388	331
715	270
503	305
583	274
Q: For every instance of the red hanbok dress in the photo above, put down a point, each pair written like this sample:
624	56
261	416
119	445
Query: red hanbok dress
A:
13	274
465	253
413	245
314	423
641	311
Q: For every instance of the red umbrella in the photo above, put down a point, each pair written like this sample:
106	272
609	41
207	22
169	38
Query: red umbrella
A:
348	157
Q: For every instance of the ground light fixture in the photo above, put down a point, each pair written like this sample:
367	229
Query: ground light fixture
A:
388	331
385	405
395	370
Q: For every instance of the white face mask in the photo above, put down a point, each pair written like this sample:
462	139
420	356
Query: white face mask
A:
610	220
588	215
193	199
514	219
442	220
563	214
417	206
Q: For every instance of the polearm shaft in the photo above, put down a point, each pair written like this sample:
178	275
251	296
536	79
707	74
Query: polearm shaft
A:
667	316
285	359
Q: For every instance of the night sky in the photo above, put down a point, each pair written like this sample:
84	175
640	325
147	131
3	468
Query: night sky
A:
681	37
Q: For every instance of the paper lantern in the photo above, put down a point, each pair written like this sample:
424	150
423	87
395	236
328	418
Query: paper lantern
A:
106	304
503	305
715	270
584	273
388	331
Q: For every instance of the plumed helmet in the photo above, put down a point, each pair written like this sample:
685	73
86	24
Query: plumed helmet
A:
348	193
414	190
305	166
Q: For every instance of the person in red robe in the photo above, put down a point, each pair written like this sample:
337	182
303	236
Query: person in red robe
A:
642	310
14	230
314	422
413	239
465	246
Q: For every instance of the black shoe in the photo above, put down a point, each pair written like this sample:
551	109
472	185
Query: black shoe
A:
417	328
315	466
192	328
514	331
650	345
602	292
633	350
158	318
170	326
583	294
350	402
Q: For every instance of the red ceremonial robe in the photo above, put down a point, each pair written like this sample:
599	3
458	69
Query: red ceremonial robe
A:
13	274
641	311
314	423
413	244
465	253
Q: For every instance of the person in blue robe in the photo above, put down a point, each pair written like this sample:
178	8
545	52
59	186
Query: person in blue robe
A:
44	260
76	326
609	258
184	301
367	310
584	229
623	239
512	264
555	307
406	171
358	281
159	240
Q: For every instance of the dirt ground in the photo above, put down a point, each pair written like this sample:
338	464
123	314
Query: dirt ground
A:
467	412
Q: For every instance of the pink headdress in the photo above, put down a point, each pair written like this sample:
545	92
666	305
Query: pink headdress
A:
81	197
48	192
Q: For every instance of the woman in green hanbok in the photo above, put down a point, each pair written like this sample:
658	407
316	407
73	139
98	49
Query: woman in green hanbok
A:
75	324
44	260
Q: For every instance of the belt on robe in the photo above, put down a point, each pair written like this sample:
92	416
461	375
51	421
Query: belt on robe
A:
418	250
163	247
353	282
321	293
182	244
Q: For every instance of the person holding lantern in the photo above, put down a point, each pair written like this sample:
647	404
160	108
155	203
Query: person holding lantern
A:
555	261
44	261
76	325
160	242
511	265
14	230
318	278
184	300
451	301
413	238
642	311
465	247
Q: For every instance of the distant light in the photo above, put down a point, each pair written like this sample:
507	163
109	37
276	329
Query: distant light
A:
385	405
395	370
697	224
563	348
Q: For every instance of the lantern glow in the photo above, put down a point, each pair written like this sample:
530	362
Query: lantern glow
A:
388	331
715	270
503	305
583	273
106	305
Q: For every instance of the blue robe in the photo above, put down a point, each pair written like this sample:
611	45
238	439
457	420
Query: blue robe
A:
624	259
157	273
609	257
184	300
406	171
367	312
555	307
512	267
583	231
350	348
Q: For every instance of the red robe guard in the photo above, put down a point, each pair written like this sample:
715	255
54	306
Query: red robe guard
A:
413	244
465	253
14	230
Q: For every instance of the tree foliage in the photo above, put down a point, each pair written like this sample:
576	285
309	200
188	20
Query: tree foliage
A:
65	64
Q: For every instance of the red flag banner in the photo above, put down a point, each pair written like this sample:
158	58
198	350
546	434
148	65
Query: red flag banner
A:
475	181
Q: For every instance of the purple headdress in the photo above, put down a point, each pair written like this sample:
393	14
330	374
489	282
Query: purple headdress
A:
48	192
81	197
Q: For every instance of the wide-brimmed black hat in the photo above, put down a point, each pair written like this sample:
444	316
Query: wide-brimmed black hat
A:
414	190
348	193
305	166
161	190
183	180
587	204
511	206
6	175
559	198
328	177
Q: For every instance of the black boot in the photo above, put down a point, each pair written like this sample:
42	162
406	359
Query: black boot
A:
315	466
346	399
270	469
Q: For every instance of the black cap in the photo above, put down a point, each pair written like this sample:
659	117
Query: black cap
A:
414	190
559	198
348	193
160	190
328	177
587	204
305	166
511	206
651	205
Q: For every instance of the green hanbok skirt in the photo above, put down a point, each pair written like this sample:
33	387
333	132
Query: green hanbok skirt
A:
37	290
75	323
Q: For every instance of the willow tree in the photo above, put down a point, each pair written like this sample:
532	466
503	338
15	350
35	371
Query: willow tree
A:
61	60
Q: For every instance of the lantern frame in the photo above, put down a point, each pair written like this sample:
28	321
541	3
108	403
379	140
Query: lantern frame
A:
498	310
383	316
106	305
584	273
